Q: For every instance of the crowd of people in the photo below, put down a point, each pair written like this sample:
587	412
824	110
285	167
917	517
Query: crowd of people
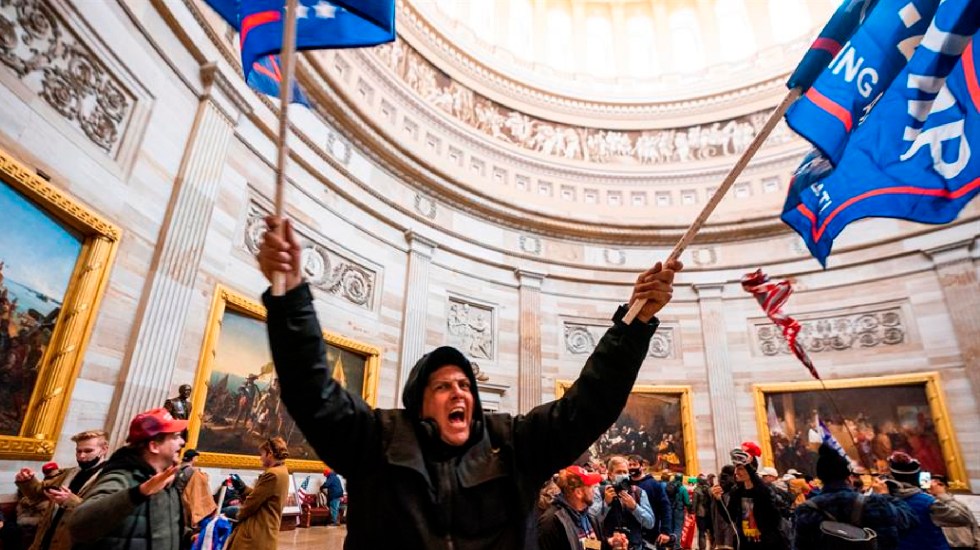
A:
618	505
148	494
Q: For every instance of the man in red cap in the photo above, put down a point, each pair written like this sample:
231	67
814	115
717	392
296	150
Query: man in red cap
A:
133	504
333	490
567	524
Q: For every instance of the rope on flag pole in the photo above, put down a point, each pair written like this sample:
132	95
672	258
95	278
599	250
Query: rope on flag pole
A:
288	57
735	172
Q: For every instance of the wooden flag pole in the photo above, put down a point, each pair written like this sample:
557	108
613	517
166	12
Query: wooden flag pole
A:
736	171
287	56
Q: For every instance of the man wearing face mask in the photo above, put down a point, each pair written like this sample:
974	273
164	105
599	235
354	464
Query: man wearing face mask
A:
621	506
91	450
439	473
660	533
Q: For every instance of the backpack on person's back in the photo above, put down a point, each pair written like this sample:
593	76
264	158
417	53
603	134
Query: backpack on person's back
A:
839	535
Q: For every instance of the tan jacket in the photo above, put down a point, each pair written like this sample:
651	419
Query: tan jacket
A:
966	536
196	498
261	513
34	489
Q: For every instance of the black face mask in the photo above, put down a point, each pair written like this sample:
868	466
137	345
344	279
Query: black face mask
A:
89	463
634	472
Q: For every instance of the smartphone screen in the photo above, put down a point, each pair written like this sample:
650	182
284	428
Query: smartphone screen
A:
925	480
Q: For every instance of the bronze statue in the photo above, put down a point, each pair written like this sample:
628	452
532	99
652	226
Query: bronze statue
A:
180	407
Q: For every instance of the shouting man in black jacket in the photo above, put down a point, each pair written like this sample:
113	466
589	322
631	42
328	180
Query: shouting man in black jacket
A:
440	473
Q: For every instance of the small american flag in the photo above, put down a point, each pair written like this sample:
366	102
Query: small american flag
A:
771	296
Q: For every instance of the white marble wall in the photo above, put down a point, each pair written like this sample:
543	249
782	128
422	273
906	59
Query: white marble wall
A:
345	200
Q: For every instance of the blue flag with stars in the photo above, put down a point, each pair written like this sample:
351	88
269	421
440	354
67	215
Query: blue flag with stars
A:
319	25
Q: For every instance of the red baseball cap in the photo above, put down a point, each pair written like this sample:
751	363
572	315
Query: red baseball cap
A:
752	448
49	467
588	478
152	423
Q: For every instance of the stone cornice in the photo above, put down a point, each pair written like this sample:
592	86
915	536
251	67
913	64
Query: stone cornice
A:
362	131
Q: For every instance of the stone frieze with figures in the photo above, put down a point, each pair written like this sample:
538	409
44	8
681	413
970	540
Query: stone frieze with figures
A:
595	145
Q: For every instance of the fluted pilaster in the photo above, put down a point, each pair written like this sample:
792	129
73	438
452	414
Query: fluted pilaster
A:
958	278
420	251
721	386
160	326
529	361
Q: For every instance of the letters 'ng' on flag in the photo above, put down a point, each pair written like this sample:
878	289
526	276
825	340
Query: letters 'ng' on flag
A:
771	296
838	30
898	116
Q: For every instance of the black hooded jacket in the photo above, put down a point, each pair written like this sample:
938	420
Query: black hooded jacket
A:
406	489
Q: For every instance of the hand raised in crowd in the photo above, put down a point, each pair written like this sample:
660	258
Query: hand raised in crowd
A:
879	486
280	254
618	541
656	286
159	481
628	501
58	495
716	492
25	474
608	494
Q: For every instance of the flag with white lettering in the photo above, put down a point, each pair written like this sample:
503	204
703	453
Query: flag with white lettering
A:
866	65
832	37
911	157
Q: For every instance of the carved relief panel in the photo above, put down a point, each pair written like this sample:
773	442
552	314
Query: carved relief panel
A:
326	269
471	328
581	338
51	58
869	327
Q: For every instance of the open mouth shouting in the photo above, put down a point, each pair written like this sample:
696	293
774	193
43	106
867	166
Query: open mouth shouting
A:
448	400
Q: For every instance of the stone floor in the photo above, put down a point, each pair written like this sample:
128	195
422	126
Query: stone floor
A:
321	538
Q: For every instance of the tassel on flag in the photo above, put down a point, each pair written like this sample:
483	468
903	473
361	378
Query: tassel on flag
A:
771	296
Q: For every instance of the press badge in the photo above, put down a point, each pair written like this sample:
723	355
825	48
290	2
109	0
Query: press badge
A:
592	544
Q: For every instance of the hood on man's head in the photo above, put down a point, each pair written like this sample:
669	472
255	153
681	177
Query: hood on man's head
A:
418	378
831	466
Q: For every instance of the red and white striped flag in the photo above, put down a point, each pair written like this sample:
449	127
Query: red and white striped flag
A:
771	296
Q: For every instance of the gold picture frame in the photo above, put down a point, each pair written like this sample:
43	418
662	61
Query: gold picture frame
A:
61	359
228	301
683	395
933	398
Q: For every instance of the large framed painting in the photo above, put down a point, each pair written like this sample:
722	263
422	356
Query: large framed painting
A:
237	392
657	425
55	256
870	417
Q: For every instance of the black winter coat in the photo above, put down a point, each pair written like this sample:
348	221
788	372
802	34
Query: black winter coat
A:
408	491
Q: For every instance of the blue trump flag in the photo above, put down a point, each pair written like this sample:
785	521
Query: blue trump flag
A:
266	74
832	108
831	39
911	157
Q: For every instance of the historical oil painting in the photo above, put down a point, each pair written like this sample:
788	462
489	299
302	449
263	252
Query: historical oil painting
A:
656	425
870	418
240	395
38	255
